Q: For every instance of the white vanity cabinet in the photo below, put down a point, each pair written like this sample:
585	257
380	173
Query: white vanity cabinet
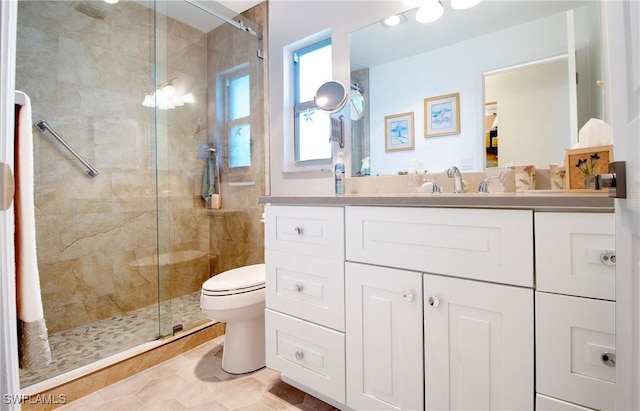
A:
478	344
390	307
575	310
304	316
384	338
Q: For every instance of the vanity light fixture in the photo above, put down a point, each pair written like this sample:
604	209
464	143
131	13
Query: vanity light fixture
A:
463	4
111	1
165	97
431	10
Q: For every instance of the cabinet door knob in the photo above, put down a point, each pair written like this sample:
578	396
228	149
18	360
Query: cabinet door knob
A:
407	295
608	358
298	287
433	301
299	354
298	230
608	258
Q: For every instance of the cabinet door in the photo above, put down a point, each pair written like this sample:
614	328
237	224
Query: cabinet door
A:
479	350
384	338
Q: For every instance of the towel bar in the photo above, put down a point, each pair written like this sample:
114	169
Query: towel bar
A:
42	126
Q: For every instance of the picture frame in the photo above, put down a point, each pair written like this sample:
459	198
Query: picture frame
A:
586	161
399	132
442	115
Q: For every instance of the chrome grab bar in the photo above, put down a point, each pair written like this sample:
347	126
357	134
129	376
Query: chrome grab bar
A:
42	126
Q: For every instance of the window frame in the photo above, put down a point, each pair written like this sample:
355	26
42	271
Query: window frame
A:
302	106
225	123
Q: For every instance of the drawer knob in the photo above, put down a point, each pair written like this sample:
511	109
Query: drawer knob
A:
608	258
433	301
299	354
298	230
608	358
298	287
407	295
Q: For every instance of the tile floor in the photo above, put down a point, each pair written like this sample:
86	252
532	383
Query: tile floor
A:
80	346
195	380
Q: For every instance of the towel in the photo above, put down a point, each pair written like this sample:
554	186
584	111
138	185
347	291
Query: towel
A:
211	182
34	350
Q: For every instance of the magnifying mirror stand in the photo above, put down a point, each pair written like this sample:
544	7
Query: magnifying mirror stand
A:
337	130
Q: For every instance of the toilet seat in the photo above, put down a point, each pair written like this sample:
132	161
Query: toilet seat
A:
237	281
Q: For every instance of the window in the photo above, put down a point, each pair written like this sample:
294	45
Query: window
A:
237	125
312	68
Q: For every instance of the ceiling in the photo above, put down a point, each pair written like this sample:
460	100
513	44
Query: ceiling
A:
411	37
196	18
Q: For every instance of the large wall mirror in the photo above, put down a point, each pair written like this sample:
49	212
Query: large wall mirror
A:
481	53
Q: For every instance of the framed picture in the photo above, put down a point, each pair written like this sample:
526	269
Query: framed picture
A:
399	132
442	115
580	162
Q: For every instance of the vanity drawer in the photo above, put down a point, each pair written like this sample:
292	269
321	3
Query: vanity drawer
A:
311	288
489	245
572	333
570	254
544	403
305	230
309	354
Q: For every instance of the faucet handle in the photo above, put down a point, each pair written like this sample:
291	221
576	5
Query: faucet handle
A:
435	187
483	187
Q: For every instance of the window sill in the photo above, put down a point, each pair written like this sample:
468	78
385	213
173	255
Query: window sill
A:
322	172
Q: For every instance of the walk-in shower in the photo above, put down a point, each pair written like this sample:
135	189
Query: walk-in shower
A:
122	255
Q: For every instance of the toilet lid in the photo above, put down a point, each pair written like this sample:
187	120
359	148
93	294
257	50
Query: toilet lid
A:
238	280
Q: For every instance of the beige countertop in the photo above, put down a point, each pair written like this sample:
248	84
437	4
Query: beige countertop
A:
542	201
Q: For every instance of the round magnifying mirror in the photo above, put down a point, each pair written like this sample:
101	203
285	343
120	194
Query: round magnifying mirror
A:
331	96
357	105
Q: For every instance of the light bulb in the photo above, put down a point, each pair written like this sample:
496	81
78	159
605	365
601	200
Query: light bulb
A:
149	100
392	21
463	4
429	12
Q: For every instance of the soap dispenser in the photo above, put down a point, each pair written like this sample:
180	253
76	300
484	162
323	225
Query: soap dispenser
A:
411	176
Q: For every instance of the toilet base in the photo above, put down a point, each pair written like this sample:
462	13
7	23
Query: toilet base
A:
244	349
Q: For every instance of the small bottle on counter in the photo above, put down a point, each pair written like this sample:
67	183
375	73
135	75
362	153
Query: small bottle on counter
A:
338	169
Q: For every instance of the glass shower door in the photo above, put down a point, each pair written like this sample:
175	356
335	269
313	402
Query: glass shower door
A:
86	67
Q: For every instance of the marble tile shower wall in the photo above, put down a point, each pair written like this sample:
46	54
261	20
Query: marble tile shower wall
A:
236	233
86	67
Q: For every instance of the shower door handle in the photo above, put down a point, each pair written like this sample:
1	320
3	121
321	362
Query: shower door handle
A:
7	186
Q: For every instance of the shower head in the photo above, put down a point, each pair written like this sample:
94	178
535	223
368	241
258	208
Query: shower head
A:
91	11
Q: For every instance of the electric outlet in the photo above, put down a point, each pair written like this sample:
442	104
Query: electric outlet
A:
466	163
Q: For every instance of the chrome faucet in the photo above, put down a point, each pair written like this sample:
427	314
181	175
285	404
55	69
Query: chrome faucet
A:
454	172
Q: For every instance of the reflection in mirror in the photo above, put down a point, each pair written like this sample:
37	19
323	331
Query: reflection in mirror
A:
412	61
534	120
357	103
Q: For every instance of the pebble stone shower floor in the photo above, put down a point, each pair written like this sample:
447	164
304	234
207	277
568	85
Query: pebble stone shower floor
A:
74	348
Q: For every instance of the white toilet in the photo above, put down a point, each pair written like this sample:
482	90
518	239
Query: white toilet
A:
236	297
